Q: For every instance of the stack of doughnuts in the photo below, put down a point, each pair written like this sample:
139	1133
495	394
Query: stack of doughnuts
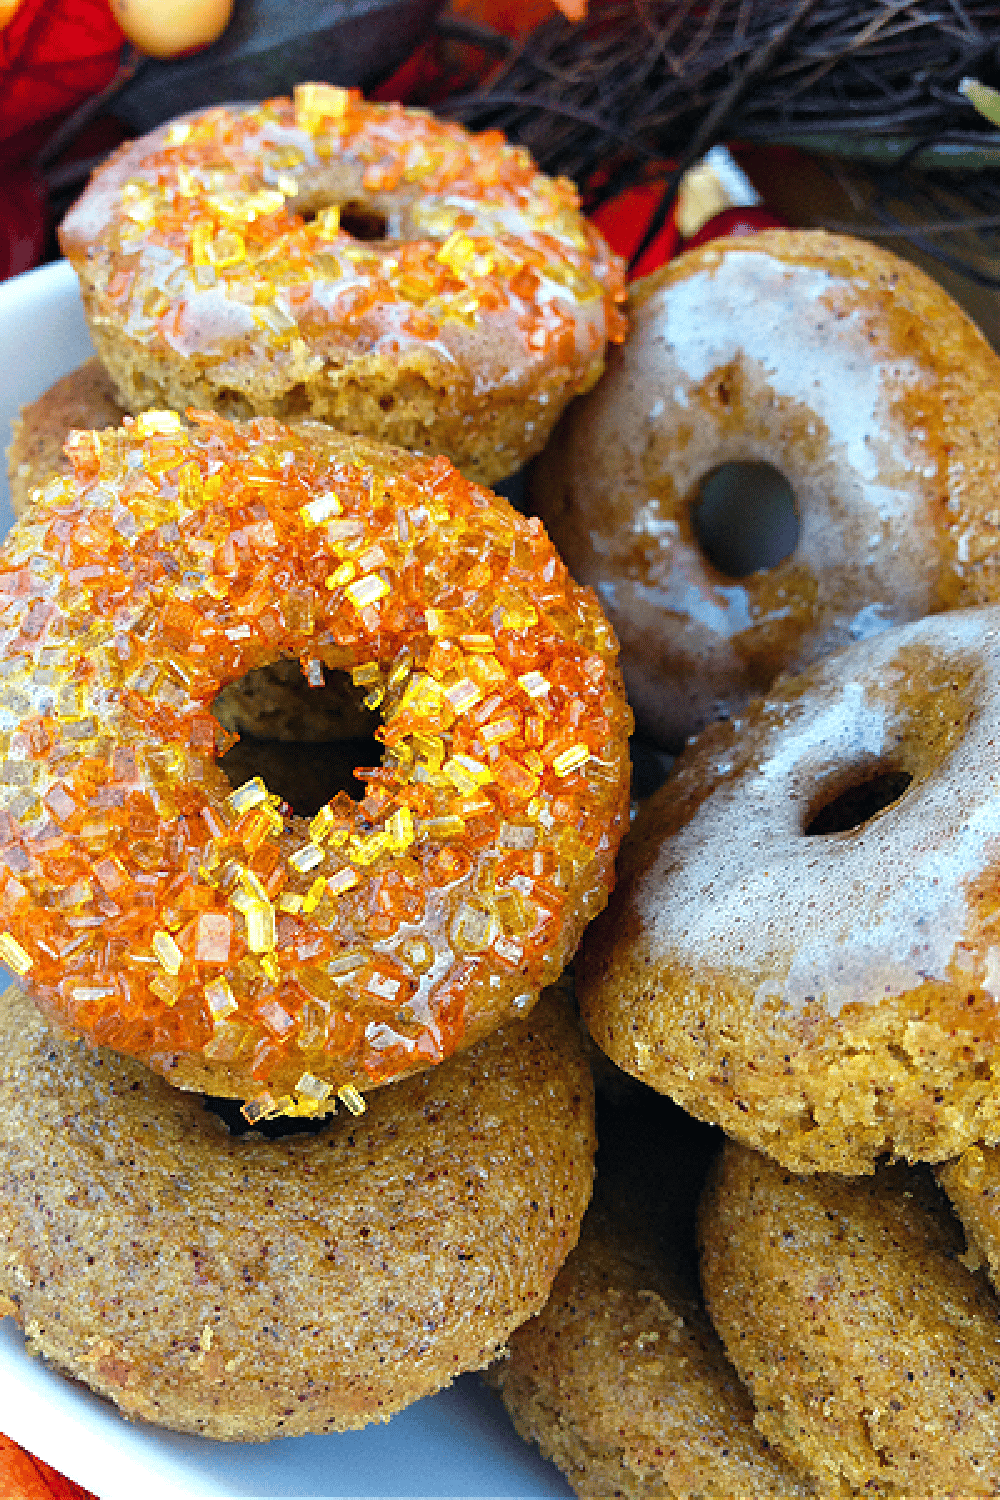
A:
800	951
291	300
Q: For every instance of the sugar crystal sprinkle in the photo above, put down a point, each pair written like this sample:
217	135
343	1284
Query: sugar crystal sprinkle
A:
152	906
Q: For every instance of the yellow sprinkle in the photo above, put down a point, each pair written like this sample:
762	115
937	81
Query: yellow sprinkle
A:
352	1099
12	953
344	880
340	576
288	185
260	925
313	101
436	621
367	673
571	760
314	894
457	251
262	1107
365	851
314	1088
315	512
250	794
291	902
157	424
226	249
400	829
271	967
327	221
178	133
366	590
463	695
466	774
252	884
321	824
220	999
167	952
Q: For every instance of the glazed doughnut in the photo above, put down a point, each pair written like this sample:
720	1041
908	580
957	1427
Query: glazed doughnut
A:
621	1379
872	1353
247	1288
800	947
230	945
276	702
362	264
813	357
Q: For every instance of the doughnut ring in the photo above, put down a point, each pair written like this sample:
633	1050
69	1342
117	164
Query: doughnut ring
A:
311	1283
207	931
792	360
872	1352
800	948
361	264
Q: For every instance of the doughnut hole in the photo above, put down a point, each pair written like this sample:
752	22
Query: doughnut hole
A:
362	221
744	517
857	803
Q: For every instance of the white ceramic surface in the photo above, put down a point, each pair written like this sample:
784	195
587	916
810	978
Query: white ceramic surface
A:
458	1443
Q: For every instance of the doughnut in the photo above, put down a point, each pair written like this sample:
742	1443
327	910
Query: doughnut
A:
800	947
83	398
621	1379
207	931
250	1288
275	702
872	1352
362	264
802	358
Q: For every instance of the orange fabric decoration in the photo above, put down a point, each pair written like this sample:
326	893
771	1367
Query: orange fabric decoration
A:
25	1478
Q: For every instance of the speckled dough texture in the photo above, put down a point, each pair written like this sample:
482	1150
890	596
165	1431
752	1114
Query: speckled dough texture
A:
872	1353
622	1380
357	263
851	373
247	1288
972	1182
83	398
828	997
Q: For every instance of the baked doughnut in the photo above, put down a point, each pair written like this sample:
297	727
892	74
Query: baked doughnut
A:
248	1288
872	1353
621	1379
230	945
804	357
83	398
800	946
362	264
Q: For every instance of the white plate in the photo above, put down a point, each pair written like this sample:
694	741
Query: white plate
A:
458	1443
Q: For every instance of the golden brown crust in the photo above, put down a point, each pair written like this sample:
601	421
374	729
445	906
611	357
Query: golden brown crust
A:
86	398
843	367
248	1288
621	1380
827	997
872	1353
972	1182
219	268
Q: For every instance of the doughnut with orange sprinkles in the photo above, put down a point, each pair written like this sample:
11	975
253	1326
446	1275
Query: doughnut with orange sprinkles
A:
209	932
363	264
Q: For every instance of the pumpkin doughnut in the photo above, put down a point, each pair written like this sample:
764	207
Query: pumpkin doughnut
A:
621	1379
230	945
872	1352
801	947
248	1288
972	1182
362	264
83	398
814	357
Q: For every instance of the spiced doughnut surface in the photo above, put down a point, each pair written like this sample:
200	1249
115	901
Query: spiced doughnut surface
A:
247	1288
362	264
800	947
83	398
621	1379
229	944
827	363
872	1352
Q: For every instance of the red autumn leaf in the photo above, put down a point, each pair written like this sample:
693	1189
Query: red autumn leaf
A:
53	55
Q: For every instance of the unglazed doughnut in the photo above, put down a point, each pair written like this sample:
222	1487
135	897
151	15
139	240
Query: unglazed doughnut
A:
228	944
802	945
844	369
217	268
621	1379
247	1288
872	1352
